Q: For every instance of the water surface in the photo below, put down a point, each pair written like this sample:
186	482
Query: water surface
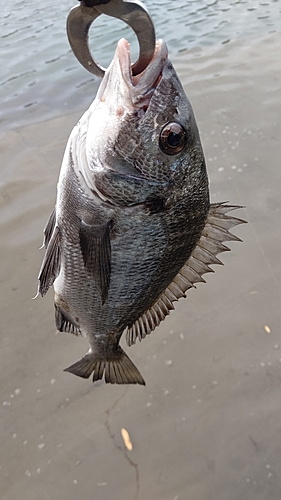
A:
207	425
40	78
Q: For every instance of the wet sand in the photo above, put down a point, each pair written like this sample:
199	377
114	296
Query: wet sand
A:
207	425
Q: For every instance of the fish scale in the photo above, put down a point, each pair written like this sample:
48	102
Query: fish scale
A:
133	228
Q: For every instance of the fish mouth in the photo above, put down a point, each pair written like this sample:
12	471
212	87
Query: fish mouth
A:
150	75
132	91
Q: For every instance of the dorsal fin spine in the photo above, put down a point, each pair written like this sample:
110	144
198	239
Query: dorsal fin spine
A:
210	244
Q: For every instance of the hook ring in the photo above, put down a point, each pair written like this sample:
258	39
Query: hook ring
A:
131	12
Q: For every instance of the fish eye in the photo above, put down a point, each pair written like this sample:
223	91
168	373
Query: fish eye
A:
172	138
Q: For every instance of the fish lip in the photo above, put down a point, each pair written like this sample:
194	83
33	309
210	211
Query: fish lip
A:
149	78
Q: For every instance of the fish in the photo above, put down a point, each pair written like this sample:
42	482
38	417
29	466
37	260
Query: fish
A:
133	228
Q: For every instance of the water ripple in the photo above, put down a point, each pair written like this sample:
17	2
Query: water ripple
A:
33	40
16	77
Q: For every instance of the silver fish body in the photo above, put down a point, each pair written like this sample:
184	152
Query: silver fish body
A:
133	227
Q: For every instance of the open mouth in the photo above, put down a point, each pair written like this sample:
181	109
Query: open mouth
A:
142	85
126	91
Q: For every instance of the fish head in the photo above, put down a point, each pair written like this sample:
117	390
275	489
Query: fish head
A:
144	124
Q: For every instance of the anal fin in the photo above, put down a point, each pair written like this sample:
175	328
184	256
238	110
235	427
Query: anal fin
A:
64	322
118	369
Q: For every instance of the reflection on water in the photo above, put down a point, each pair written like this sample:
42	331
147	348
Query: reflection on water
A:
40	78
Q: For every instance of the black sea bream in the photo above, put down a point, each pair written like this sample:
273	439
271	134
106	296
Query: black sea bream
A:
133	228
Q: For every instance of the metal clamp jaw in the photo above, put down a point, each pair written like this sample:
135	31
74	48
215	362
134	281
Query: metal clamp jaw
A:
132	12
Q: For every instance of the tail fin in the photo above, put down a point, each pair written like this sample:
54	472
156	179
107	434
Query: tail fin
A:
117	370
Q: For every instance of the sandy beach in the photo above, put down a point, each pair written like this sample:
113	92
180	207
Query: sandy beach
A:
207	425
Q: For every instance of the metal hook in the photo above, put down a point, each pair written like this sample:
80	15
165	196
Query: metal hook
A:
132	12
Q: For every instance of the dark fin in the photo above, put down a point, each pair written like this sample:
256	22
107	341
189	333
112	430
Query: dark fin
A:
48	230
51	263
96	251
210	244
118	370
146	323
65	323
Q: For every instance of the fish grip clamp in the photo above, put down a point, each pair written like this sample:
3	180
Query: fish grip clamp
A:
132	12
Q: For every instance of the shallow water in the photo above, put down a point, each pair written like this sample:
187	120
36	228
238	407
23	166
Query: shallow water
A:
207	425
40	78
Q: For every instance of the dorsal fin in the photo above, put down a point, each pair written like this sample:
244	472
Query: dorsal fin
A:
210	244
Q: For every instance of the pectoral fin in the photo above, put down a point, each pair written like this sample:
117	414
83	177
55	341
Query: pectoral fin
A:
96	251
50	268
